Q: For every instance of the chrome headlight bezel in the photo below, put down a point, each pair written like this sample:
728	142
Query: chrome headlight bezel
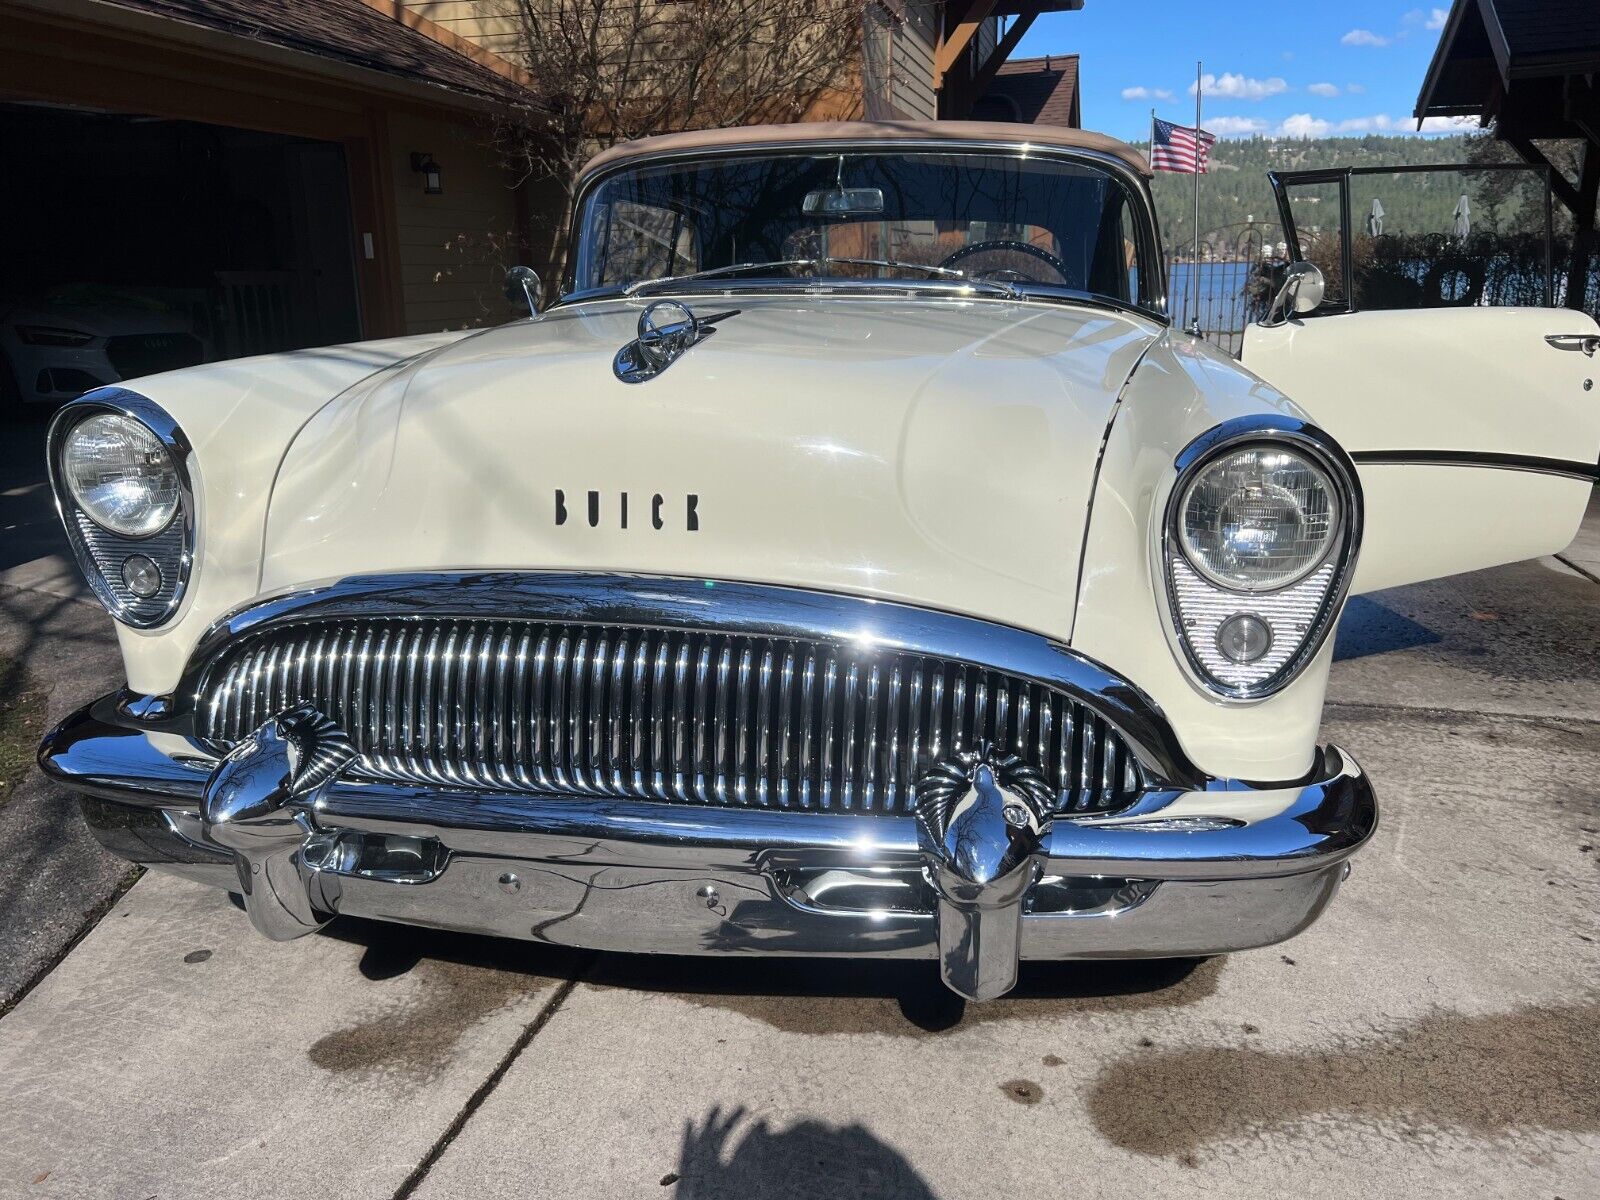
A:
1307	604
101	551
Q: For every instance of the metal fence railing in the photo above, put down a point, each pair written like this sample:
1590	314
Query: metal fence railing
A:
1230	288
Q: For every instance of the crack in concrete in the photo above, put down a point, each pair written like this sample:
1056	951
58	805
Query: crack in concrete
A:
1419	710
1581	570
85	927
409	1185
416	1036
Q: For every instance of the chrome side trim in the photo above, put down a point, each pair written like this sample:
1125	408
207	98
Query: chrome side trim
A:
672	603
1307	438
136	614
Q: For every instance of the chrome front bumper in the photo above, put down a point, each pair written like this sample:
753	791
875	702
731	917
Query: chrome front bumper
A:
1227	866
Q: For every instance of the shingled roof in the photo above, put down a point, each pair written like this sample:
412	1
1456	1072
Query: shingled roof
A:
378	36
1035	91
1508	58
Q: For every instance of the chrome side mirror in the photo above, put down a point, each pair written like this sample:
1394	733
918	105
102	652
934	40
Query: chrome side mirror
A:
1302	292
523	284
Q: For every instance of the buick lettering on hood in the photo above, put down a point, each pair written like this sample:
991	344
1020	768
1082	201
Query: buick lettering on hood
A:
854	561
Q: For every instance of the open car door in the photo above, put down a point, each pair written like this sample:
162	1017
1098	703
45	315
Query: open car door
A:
1475	429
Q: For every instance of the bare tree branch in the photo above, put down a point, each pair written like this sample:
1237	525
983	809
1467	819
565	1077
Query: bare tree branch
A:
608	71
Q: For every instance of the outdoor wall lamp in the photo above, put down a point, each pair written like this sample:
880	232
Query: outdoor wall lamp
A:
432	178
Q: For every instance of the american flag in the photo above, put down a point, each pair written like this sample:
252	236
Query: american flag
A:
1179	148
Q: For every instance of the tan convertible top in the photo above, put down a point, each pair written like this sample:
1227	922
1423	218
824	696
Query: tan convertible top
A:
812	133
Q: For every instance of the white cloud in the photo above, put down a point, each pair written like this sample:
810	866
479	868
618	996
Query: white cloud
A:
1144	93
1241	87
1363	37
1304	125
1323	89
1230	127
1447	124
1380	123
1356	89
1436	18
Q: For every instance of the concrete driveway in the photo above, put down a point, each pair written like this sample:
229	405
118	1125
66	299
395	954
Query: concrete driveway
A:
1438	1033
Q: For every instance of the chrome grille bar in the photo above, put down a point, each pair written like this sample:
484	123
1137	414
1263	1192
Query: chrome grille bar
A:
685	716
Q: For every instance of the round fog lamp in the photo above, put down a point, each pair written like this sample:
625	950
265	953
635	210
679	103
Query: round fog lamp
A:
141	576
1244	638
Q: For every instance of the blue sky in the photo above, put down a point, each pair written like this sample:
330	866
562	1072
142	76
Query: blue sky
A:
1301	70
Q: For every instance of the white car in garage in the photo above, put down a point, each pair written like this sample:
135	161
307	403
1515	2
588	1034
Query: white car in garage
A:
53	352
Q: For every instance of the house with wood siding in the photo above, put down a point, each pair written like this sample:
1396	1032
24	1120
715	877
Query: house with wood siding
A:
299	172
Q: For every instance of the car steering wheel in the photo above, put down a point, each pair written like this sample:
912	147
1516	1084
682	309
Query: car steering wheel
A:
1000	244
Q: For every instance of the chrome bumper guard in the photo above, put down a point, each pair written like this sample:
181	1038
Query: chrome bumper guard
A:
980	880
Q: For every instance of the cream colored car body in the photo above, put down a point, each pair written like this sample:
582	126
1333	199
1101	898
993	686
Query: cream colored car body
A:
950	445
1002	459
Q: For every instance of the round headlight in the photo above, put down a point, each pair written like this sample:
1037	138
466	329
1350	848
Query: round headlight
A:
1258	518
120	475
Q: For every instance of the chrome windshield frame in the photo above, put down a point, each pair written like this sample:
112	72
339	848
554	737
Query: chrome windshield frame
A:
1152	262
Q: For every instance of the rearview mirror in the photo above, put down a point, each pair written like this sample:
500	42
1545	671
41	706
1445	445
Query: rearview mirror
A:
843	202
1302	292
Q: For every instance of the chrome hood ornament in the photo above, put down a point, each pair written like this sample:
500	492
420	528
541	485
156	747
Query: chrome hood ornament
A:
668	329
982	818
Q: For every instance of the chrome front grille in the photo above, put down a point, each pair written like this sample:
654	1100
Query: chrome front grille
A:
687	716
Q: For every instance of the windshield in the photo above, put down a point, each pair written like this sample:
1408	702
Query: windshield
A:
1037	224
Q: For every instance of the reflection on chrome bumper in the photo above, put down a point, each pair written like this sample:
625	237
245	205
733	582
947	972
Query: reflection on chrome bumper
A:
1226	867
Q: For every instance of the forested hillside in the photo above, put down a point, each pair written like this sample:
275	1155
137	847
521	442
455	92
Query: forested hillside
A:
1236	189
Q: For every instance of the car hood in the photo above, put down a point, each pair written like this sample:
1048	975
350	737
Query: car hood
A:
941	452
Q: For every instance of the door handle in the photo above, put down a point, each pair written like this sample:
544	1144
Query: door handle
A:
1587	342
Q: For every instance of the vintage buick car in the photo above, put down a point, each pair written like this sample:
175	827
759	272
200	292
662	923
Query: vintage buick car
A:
854	561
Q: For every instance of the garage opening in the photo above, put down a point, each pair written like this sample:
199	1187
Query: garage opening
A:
140	244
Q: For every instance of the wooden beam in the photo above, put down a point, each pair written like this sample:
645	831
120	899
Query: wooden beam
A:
1583	225
1002	51
1582	104
960	96
955	40
1560	186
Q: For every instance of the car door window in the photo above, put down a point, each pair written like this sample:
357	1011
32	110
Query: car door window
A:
1316	214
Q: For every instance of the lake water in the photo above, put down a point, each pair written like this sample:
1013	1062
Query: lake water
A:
1222	305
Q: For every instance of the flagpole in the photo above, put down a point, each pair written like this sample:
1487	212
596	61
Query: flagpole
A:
1194	262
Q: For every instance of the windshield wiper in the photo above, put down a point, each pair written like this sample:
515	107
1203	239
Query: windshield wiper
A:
638	285
943	272
997	285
